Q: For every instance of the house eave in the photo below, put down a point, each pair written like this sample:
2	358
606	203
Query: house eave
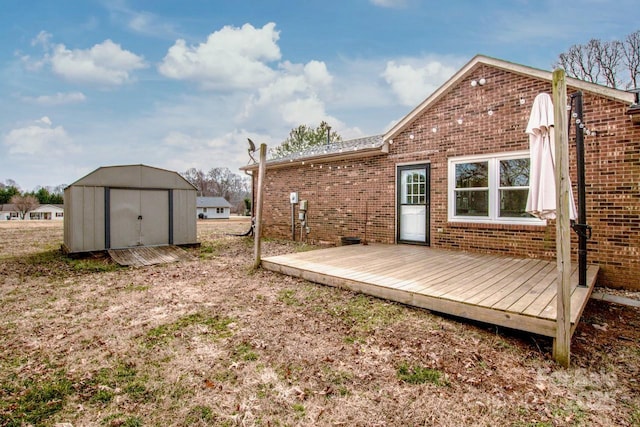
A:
331	157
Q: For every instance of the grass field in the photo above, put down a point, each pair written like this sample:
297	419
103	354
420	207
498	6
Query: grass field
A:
212	342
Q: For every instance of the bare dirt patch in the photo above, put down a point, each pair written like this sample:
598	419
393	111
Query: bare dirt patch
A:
212	342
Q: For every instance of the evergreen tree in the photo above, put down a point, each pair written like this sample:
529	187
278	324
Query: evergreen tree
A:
304	137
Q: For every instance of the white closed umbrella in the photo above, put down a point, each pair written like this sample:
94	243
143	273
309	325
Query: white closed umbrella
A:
541	201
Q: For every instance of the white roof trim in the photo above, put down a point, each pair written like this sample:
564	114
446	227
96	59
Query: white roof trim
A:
607	92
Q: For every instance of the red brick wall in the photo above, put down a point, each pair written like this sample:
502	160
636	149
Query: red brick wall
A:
340	193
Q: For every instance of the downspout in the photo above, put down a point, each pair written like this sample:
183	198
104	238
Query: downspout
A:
253	192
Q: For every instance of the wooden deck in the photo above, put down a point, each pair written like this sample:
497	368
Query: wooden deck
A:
518	293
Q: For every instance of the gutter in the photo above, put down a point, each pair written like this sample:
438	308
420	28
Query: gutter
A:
357	153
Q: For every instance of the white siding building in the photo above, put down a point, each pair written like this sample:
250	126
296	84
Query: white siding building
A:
47	212
213	208
43	212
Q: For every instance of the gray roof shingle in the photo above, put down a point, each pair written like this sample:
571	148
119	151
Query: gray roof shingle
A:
351	145
212	202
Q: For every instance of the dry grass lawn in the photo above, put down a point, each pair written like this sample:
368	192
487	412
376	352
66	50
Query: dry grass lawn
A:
211	342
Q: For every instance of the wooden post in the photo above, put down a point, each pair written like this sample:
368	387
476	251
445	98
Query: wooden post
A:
562	341
258	226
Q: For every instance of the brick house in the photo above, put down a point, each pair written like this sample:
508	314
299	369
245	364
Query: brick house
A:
453	174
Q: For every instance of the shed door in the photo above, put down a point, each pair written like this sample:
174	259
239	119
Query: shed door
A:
413	204
139	218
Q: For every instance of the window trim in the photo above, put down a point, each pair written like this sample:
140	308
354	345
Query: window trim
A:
494	188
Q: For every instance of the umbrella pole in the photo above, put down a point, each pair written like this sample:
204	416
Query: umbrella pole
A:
581	227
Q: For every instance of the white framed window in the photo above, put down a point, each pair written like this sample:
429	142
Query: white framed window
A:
490	189
220	210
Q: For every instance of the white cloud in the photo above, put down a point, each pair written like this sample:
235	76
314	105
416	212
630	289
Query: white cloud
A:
46	120
389	3
149	24
60	98
230	150
316	74
39	139
141	22
231	58
414	80
43	38
105	63
294	97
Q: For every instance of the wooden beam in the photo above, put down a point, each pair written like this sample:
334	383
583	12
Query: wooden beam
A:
258	230
562	341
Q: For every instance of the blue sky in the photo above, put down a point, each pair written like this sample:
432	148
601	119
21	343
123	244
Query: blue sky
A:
181	84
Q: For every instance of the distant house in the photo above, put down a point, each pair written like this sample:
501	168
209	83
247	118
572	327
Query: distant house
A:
213	208
43	212
52	212
8	211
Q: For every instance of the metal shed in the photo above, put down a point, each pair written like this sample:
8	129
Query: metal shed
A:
128	206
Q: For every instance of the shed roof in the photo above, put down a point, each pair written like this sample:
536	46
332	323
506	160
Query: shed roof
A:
352	148
212	202
604	91
134	176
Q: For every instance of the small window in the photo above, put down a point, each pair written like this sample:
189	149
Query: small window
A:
220	210
204	210
59	214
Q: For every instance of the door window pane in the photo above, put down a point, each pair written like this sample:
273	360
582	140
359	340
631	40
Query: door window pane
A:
413	187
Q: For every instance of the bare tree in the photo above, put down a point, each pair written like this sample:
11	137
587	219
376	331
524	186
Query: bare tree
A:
631	53
579	62
604	62
198	179
12	183
24	204
608	56
220	182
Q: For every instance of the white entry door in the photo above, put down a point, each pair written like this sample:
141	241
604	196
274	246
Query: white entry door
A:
413	204
138	218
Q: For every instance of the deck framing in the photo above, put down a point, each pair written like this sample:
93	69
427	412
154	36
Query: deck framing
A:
518	293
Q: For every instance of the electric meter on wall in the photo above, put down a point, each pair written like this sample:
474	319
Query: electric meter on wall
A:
293	197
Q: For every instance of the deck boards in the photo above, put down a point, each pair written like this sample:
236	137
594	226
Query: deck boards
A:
519	293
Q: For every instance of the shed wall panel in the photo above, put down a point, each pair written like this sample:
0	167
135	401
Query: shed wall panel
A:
184	220
93	218
84	219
